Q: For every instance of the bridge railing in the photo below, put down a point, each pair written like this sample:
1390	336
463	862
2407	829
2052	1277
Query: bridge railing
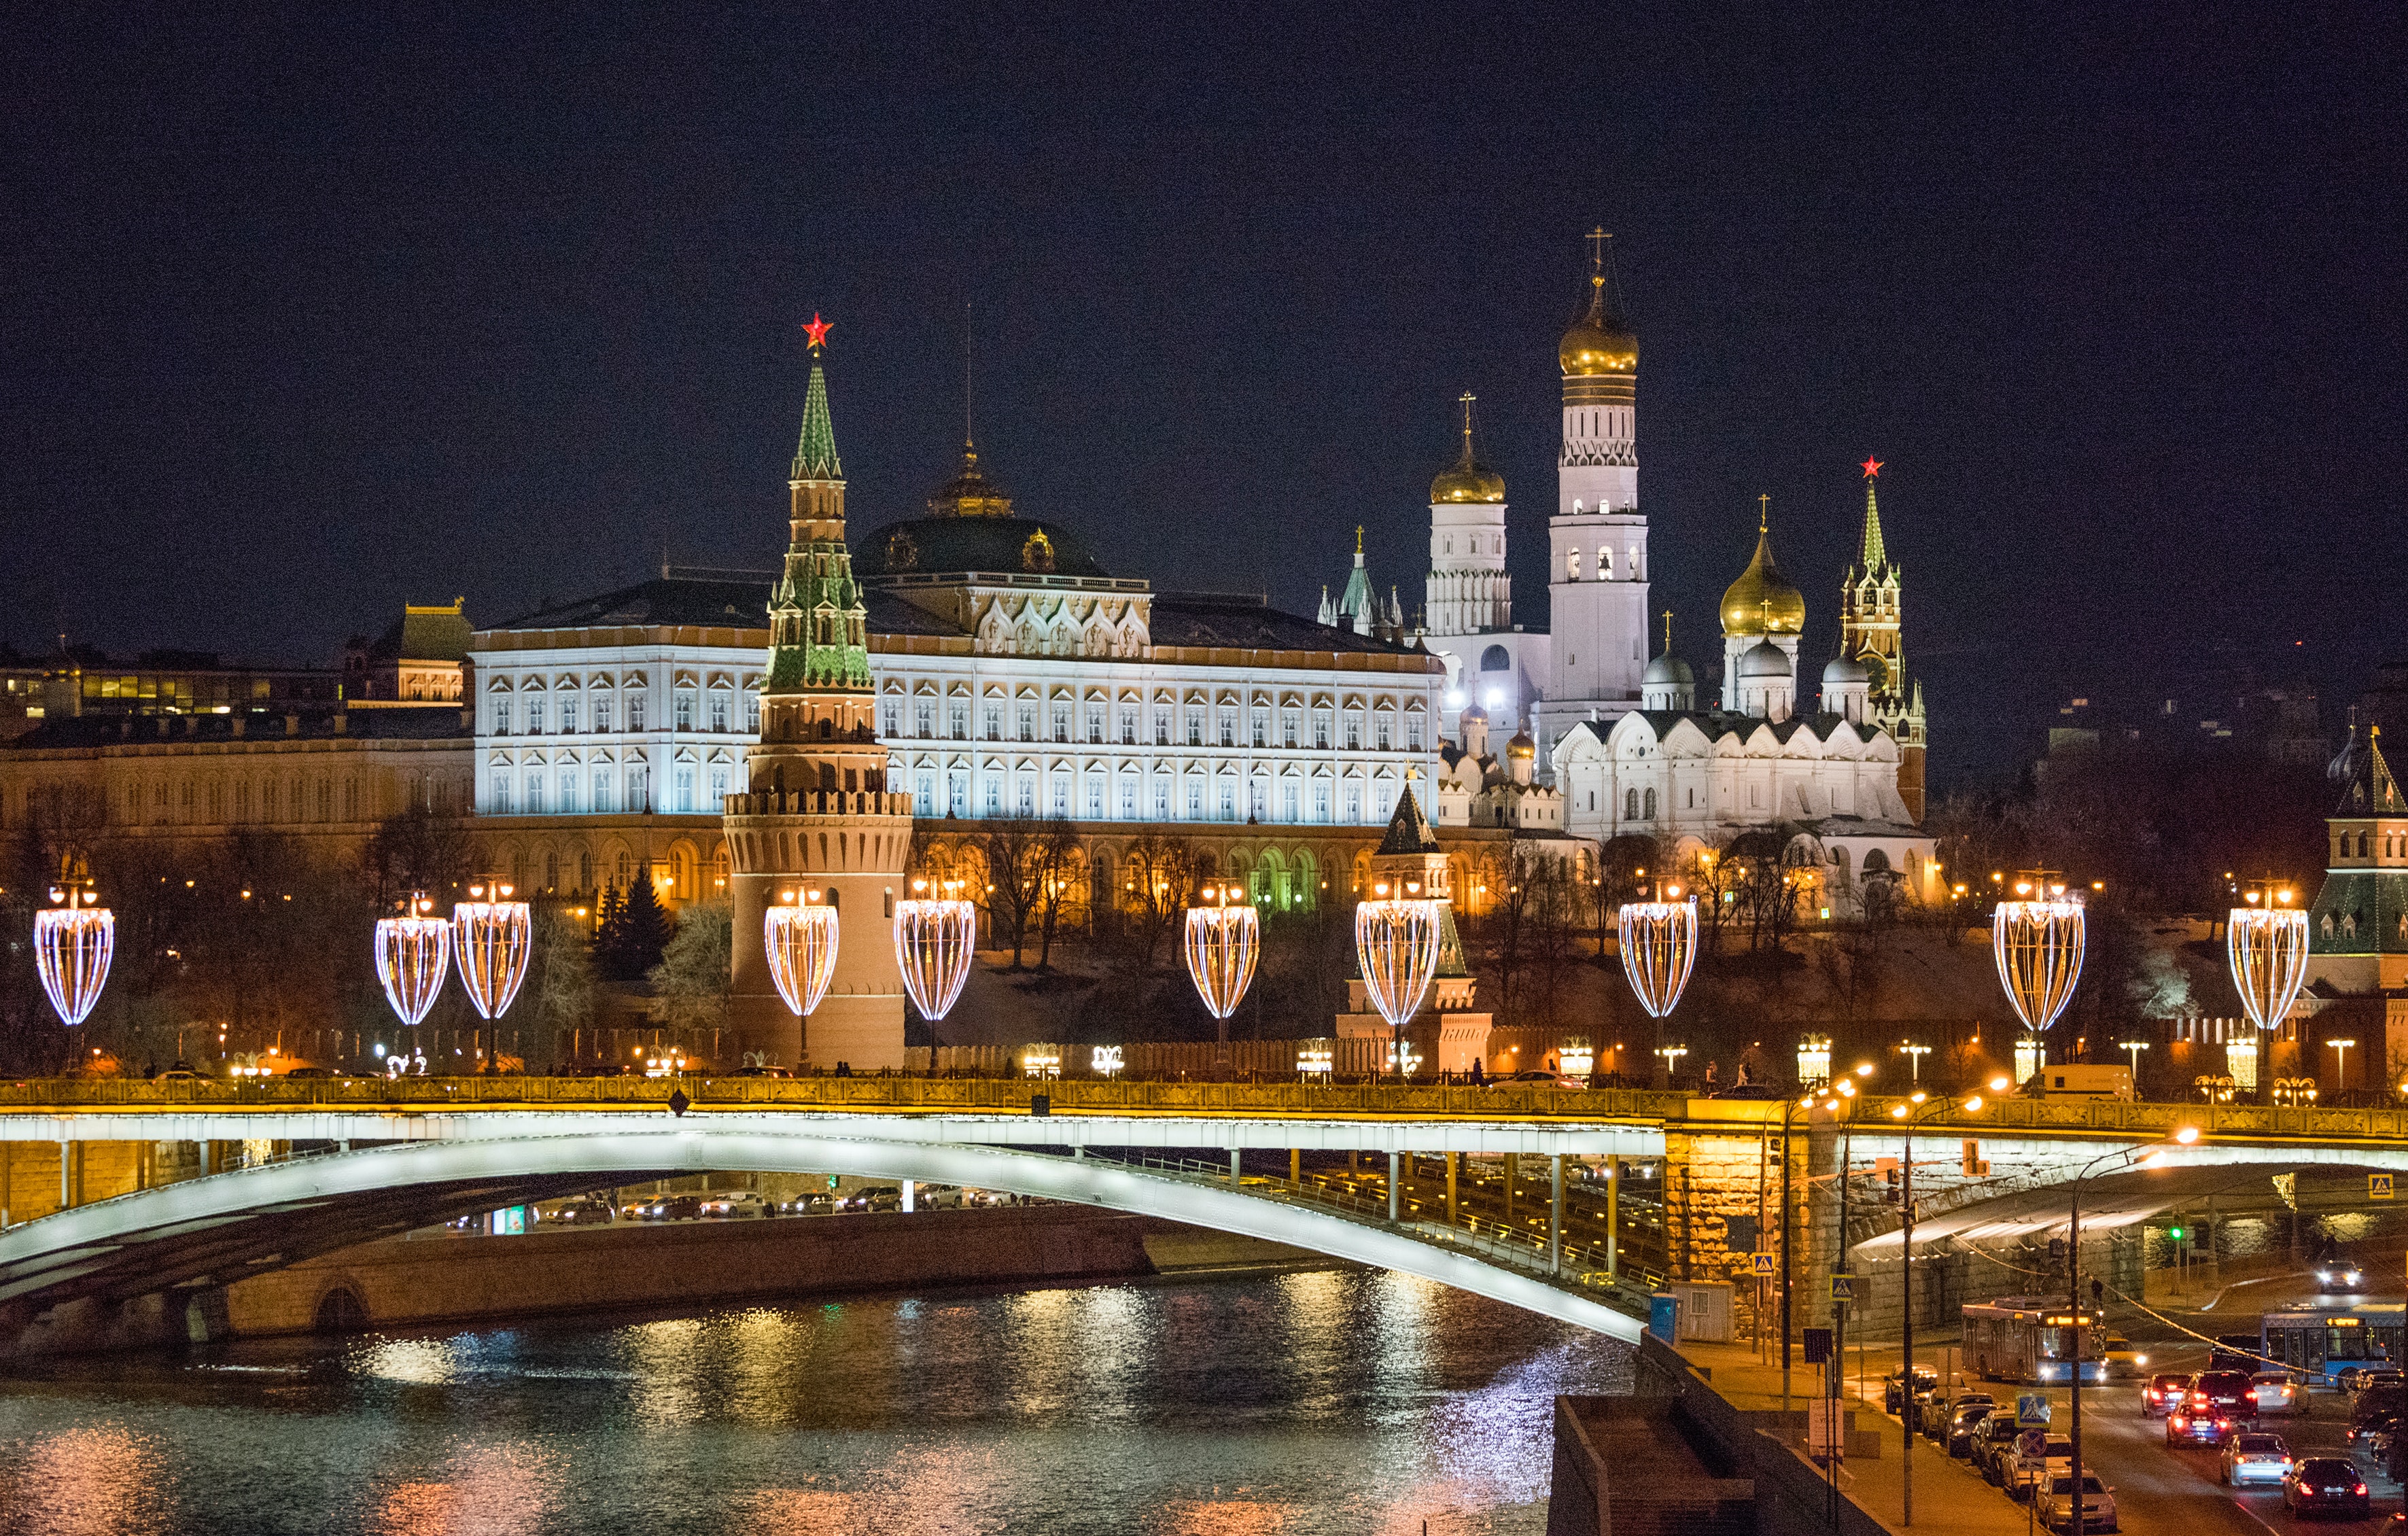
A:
864	1094
2141	1118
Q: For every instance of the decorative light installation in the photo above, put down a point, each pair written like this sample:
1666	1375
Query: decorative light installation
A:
1316	1057
1396	941
1404	1050
2266	943
2030	1057
934	936
412	952
1106	1061
2038	944
1222	940
800	938
1040	1061
73	942
1813	1060
1659	945
491	936
1576	1058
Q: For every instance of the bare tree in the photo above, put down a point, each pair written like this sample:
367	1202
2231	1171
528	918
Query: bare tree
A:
1015	879
1058	886
1163	873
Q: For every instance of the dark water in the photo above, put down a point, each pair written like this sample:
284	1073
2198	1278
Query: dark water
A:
1296	1403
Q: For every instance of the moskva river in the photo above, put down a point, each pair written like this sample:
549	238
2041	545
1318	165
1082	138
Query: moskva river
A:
1302	1403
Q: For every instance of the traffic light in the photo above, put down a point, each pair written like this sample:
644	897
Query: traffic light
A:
2175	1233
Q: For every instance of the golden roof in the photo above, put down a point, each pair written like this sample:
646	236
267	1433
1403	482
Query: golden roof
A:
1597	343
1468	480
970	494
1762	602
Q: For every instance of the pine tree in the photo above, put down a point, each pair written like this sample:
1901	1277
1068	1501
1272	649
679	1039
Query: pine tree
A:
643	933
610	933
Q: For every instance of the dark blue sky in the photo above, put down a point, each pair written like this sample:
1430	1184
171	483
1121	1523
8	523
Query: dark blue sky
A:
308	316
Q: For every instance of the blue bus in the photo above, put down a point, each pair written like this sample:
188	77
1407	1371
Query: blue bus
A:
2321	1341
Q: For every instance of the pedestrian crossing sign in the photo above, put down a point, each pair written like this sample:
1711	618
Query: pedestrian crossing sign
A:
2378	1186
1768	1264
1843	1288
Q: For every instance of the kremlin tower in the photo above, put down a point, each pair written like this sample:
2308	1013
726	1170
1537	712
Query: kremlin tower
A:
816	816
1870	626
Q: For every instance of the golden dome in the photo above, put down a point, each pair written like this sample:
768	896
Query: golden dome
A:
1762	602
1468	480
970	494
1597	343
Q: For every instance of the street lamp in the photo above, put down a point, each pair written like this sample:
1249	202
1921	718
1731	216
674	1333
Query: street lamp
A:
73	942
1222	942
1813	1060
2341	1063
1909	1115
1396	942
2136	1047
801	938
491	939
2037	941
1671	1055
2138	1157
2266	944
412	953
1915	1055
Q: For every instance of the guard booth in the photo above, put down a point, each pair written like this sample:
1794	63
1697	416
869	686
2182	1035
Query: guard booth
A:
1705	1310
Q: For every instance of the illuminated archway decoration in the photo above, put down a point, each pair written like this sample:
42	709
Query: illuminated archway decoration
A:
2268	951
934	939
412	952
1396	942
801	938
492	937
73	944
2038	945
1659	948
1223	942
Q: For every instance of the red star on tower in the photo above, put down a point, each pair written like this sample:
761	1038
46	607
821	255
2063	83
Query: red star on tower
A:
1871	467
817	330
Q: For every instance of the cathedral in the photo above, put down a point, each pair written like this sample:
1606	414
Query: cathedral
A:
1622	743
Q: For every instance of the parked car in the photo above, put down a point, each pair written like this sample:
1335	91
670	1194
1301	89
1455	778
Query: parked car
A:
1993	1447
1940	1410
881	1197
2122	1360
587	1212
2388	1400
672	1208
2028	1469
2253	1458
1965	1424
2054	1508
2163	1393
732	1203
1894	1388
2277	1393
2326	1485
2189	1428
2374	1432
2222	1394
816	1203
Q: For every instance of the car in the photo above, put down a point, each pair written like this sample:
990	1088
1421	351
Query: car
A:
819	1203
307	1074
2340	1278
2253	1458
2375	1430
883	1197
2054	1508
732	1203
2185	1427
760	1071
2027	1470
2122	1360
1993	1446
2223	1394
2388	1399
1894	1388
2352	1377
672	1208
1964	1424
2277	1393
1934	1408
2163	1393
2377	1375
586	1212
178	1073
2326	1485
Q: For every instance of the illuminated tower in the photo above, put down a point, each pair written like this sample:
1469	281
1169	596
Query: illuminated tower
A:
1871	620
1760	609
816	814
1597	573
1467	592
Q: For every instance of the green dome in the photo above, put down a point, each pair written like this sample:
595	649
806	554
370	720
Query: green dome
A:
999	546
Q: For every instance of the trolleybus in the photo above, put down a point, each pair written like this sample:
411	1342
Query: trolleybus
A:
2324	1341
2033	1338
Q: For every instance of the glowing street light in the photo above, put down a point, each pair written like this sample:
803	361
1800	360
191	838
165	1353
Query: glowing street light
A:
1915	1055
1813	1060
73	942
412	953
1222	941
2037	941
1659	945
1671	1055
2341	1063
2266	944
801	938
1396	942
934	940
491	937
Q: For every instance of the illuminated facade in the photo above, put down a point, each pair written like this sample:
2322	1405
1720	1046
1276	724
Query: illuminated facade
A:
2358	931
1872	632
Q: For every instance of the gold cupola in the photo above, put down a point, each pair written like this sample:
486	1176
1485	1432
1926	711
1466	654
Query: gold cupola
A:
1468	480
1599	344
1762	602
970	494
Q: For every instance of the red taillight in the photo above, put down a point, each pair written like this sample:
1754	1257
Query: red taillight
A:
2251	1394
2360	1488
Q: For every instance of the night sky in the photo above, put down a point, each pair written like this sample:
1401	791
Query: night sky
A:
309	316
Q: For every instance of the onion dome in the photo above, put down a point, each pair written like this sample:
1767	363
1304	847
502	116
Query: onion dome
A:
1668	671
1597	343
1474	713
1520	745
970	494
1468	480
1762	602
1764	659
1846	672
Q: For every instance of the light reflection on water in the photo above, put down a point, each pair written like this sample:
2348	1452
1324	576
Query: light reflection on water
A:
1301	1404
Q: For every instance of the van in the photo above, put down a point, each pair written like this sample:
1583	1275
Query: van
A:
2074	1080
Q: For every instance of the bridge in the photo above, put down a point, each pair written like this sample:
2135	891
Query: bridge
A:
165	1190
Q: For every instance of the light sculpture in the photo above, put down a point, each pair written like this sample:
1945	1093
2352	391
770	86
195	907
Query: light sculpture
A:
72	943
412	952
1043	1061
1396	942
1577	1059
1659	947
1224	935
2266	944
1106	1061
1316	1057
491	939
800	938
2038	944
934	937
1813	1060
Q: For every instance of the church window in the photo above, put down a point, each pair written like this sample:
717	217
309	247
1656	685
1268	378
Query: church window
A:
1693	798
602	801
994	722
1604	564
1354	733
1128	725
718	790
684	787
1262	727
1259	794
1061	794
1095	797
888	726
1128	797
1162	797
1028	722
957	716
1630	805
1321	731
1630	565
1162	725
1061	722
751	714
602	712
635	712
1195	800
1228	801
1649	813
1413	733
1386	734
1228	728
1496	659
501	717
1288	794
1572	564
1321	802
1027	795
1354	804
994	796
502	793
1094	725
1449	546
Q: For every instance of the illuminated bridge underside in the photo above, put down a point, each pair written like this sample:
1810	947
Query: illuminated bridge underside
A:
220	1227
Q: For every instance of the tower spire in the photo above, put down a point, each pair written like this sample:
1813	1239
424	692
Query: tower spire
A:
815	454
1874	557
1468	398
1668	631
969	438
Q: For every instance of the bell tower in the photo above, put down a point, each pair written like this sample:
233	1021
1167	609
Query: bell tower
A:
815	814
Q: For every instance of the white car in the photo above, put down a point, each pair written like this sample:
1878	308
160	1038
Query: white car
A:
2277	1393
733	1203
2056	1507
2027	1471
2253	1458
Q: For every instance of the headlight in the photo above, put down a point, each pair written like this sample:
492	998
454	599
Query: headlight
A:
2325	1275
2140	1360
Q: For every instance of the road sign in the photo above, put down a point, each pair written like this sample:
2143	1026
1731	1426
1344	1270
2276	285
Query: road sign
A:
2032	1444
1843	1288
2031	1410
2378	1186
1768	1264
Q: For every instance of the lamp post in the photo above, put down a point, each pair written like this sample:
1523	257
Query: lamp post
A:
2136	1047
73	942
1671	1055
1910	1113
412	953
1915	1055
2266	945
2341	1063
801	937
1659	947
2182	1136
1222	942
1395	943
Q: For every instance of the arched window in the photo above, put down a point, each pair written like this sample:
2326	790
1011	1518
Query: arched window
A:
1496	659
1630	805
1572	564
1651	806
1604	564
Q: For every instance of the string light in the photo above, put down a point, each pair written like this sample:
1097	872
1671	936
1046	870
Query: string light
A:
412	952
492	938
2038	944
801	938
1222	941
934	937
1659	947
72	943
